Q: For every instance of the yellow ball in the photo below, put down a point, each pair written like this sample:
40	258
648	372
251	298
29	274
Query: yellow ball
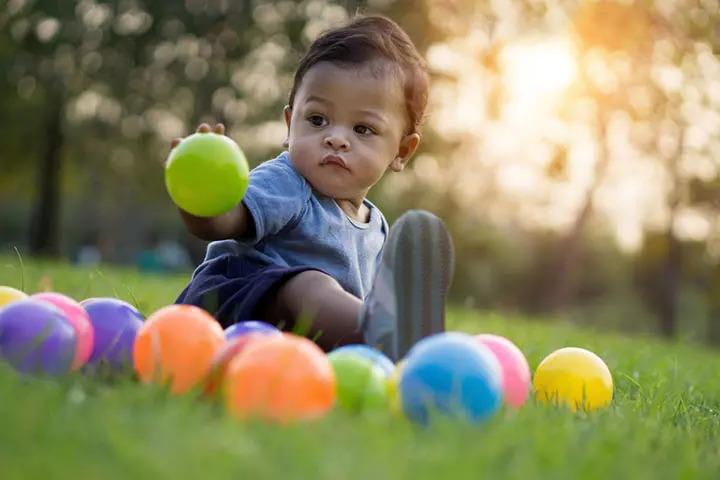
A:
576	377
9	294
393	386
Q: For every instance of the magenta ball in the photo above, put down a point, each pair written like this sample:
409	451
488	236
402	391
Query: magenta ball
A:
249	326
115	324
36	337
79	320
514	366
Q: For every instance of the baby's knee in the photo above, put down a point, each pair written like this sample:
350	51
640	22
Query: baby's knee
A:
313	279
310	287
306	283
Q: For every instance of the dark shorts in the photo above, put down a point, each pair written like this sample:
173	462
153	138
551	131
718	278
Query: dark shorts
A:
232	289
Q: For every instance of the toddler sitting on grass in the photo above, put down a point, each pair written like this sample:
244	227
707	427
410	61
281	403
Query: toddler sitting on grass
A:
305	240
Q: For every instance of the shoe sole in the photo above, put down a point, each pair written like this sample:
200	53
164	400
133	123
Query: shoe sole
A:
423	266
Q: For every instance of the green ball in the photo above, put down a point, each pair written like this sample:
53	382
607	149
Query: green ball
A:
206	174
360	384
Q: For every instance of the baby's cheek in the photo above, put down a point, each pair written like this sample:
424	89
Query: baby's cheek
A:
304	151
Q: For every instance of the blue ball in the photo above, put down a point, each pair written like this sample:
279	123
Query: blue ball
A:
249	326
375	356
451	374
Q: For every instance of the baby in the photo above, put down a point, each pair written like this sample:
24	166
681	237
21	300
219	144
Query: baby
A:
305	243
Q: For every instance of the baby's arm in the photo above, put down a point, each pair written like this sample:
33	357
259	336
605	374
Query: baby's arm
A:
234	224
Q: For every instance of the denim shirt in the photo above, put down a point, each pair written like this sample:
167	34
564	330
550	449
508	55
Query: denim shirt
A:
297	226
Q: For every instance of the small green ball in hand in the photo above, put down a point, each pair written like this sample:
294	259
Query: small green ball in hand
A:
206	174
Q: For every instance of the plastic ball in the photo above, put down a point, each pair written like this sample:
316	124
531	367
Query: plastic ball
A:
282	378
230	349
115	324
9	294
393	387
574	377
375	356
206	174
35	337
79	320
359	383
176	345
451	374
249	326
514	366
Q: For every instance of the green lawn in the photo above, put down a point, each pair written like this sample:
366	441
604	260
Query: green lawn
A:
663	422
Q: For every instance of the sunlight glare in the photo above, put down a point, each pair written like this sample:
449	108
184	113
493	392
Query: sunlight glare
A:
538	68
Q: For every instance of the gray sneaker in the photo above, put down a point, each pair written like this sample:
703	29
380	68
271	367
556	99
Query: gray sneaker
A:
407	299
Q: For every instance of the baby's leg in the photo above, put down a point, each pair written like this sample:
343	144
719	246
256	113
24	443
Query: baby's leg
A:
407	300
331	311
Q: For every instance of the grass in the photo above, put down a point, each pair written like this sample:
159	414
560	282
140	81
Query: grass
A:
663	422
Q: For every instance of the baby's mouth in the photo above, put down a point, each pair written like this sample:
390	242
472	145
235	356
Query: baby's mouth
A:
334	160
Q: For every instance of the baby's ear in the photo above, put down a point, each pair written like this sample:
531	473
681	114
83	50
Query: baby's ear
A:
407	148
287	113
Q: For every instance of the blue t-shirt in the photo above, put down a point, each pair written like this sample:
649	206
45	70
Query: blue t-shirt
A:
297	226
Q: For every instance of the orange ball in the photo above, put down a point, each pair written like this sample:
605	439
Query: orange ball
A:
282	378
216	373
176	345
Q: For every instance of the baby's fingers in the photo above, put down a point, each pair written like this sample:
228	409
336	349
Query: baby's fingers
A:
219	128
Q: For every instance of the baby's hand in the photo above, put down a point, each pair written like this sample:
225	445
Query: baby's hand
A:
232	224
219	128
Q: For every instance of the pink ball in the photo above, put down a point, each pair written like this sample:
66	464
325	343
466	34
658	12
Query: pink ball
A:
515	369
79	320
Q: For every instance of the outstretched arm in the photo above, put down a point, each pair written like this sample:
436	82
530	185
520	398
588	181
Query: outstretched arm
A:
236	223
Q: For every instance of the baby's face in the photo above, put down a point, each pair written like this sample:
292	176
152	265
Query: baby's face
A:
346	128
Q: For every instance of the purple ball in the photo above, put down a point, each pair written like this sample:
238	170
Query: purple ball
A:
116	324
36	337
250	326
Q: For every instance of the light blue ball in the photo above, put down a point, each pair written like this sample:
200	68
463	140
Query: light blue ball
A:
375	356
452	374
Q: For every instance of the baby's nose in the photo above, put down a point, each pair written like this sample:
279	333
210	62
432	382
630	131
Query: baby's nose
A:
337	142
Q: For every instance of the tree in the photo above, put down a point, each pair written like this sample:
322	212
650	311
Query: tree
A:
116	80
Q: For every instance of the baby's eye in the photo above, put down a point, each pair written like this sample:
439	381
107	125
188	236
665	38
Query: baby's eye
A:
363	130
317	120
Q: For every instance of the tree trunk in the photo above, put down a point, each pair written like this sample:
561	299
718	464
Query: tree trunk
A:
44	232
712	290
672	266
568	254
669	285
